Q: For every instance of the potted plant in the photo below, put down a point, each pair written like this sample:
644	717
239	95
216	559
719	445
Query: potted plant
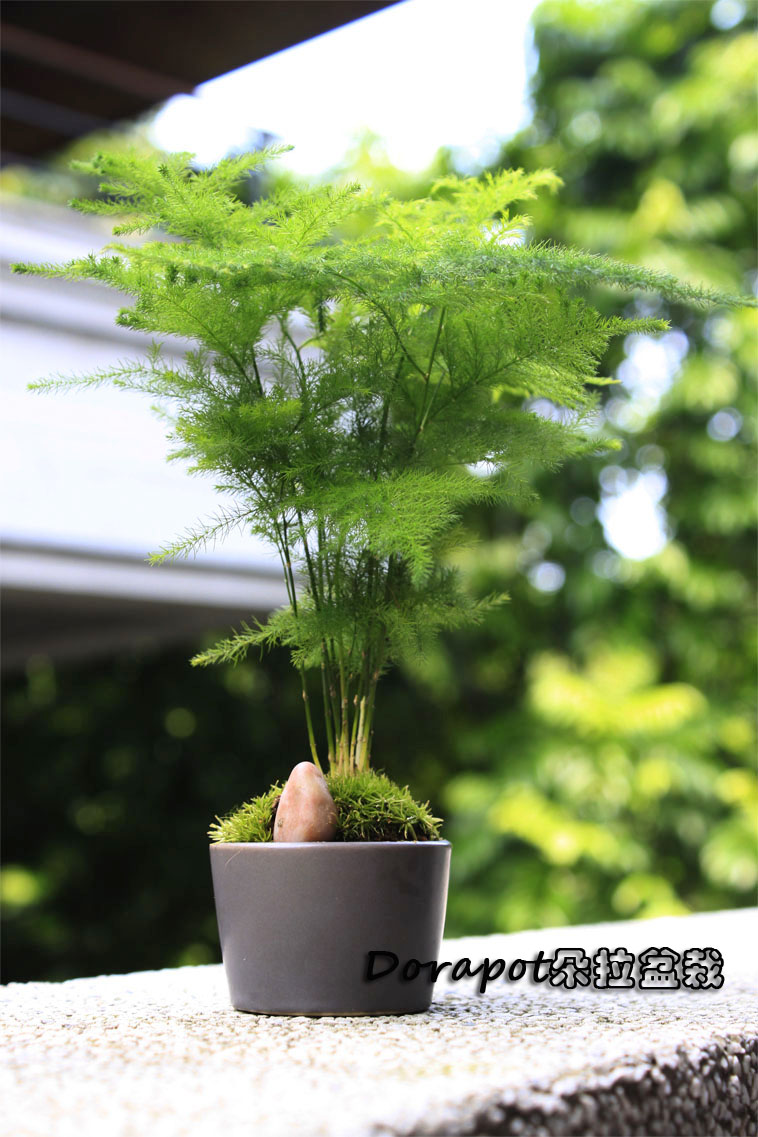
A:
363	369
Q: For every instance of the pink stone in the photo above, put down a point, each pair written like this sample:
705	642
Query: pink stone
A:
306	810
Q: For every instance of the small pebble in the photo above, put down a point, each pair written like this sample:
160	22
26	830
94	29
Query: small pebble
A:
306	810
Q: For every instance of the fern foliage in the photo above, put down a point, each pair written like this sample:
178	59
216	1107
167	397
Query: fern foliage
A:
360	369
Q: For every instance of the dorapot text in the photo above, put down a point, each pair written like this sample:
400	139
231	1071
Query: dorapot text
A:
657	969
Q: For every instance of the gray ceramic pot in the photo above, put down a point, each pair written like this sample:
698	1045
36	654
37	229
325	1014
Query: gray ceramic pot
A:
297	923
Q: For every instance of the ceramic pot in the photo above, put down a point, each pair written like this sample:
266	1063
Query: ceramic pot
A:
297	922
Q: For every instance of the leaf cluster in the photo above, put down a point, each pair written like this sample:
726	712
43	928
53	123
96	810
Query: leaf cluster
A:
354	386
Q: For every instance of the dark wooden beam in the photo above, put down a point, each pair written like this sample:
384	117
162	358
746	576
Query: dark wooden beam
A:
77	65
91	65
33	111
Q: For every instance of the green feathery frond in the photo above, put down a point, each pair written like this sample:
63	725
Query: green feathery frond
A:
232	650
360	370
205	536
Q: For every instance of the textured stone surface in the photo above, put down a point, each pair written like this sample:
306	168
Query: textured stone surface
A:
161	1054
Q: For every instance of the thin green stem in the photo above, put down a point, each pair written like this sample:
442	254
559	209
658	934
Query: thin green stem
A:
424	407
382	444
383	311
354	731
257	374
328	725
327	682
369	723
292	593
309	562
334	701
344	743
359	757
298	356
308	719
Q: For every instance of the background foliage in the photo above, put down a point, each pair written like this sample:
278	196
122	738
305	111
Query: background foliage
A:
613	771
593	747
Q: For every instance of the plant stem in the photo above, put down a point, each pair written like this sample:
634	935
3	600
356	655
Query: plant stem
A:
308	720
424	408
344	743
359	754
383	311
257	374
298	356
328	650
292	593
328	725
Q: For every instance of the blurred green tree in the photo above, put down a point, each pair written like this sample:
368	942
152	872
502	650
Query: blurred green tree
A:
113	771
612	769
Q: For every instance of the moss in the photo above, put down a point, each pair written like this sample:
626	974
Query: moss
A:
253	821
370	807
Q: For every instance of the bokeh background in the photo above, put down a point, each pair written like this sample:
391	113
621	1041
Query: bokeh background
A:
592	748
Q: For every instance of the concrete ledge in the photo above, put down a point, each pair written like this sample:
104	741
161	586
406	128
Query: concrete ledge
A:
161	1053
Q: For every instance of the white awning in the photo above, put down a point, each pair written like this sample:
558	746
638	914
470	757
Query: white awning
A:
87	491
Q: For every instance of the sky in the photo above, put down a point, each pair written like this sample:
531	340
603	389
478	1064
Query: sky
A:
422	74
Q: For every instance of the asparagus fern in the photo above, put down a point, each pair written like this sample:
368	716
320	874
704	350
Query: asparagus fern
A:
361	370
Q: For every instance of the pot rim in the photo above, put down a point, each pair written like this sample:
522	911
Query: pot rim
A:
283	845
